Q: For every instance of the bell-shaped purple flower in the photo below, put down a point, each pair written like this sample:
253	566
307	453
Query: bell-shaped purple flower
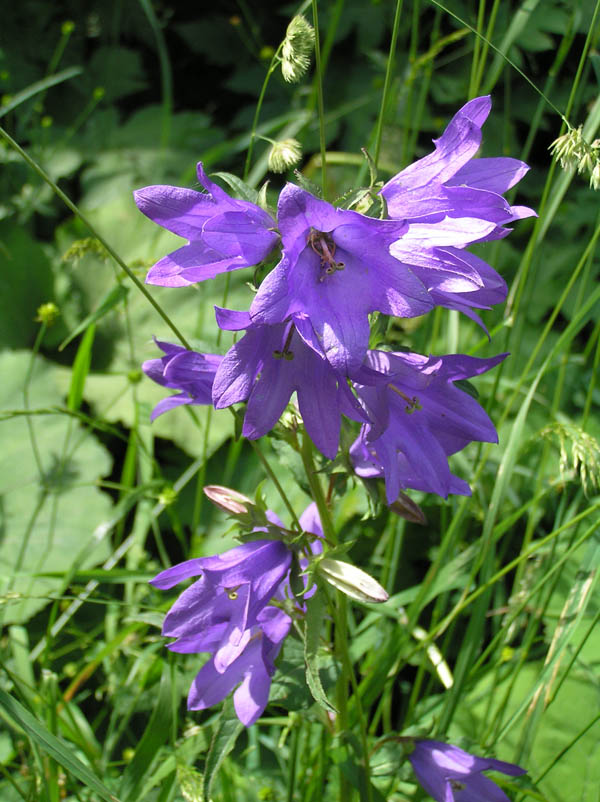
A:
251	670
450	774
224	233
267	365
418	419
450	183
218	611
180	369
335	269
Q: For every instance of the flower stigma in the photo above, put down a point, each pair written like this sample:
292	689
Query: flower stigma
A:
323	245
412	403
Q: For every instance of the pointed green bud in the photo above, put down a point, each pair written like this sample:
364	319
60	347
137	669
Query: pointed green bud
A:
352	581
297	49
284	154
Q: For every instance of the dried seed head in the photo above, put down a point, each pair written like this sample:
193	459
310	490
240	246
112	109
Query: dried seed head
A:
284	154
575	153
297	48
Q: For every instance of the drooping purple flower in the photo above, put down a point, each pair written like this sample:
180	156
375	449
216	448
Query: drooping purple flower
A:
450	774
450	183
223	233
184	370
218	611
266	366
227	614
335	269
454	278
251	670
419	418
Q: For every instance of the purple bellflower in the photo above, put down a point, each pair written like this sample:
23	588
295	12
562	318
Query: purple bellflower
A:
418	419
223	233
264	368
226	614
184	370
218	611
251	670
450	183
335	269
450	774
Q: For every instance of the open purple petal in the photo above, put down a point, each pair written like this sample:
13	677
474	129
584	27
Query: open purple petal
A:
182	211
496	174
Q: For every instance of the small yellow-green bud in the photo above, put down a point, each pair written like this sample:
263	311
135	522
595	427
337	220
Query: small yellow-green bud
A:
67	27
352	581
135	376
167	496
46	121
98	93
297	49
284	154
47	313
266	53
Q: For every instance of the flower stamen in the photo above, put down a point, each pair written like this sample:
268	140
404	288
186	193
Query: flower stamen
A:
323	245
412	403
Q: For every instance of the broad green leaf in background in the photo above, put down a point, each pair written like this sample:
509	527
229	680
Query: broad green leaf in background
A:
48	522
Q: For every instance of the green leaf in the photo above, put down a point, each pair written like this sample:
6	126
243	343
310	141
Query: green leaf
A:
155	735
228	730
81	368
315	613
52	513
39	86
19	716
240	187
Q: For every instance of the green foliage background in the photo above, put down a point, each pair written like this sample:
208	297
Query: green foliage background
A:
111	96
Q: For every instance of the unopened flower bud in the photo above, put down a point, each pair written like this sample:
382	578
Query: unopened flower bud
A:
297	48
228	500
595	177
352	581
284	154
408	509
47	313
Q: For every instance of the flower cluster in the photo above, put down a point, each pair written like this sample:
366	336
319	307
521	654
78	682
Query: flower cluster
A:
307	330
307	333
